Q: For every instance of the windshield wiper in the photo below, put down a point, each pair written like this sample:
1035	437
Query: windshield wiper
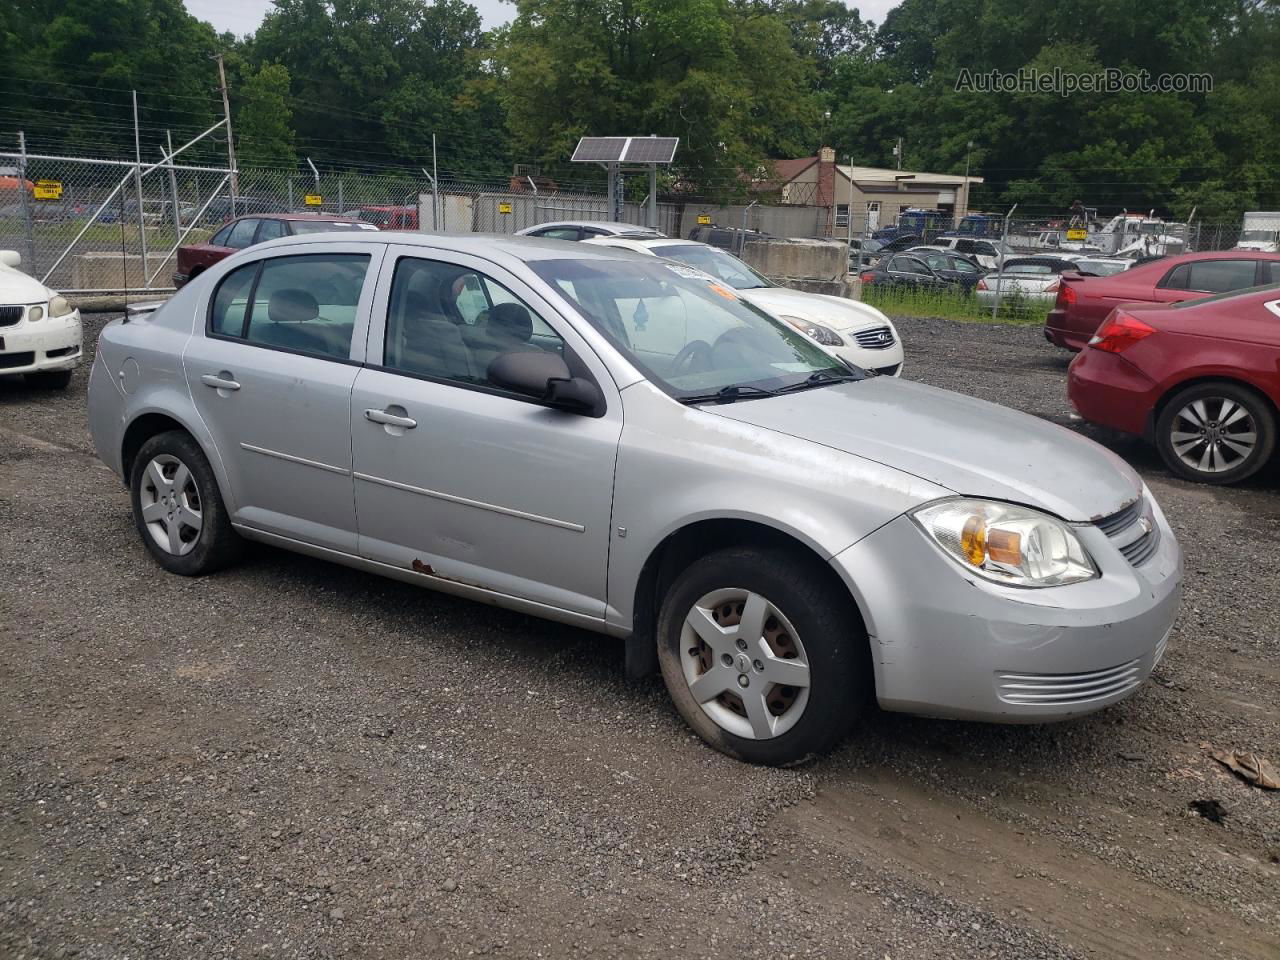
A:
820	378
735	391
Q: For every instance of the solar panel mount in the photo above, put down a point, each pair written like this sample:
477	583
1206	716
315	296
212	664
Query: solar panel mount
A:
625	150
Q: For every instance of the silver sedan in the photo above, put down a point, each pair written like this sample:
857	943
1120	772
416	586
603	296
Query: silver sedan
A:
591	436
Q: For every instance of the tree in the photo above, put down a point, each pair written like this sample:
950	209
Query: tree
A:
263	129
722	76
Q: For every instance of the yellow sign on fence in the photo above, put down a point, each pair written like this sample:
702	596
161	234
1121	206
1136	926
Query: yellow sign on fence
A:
1077	233
504	208
313	200
47	190
703	218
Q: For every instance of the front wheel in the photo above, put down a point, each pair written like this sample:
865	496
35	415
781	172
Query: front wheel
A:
1216	433
763	655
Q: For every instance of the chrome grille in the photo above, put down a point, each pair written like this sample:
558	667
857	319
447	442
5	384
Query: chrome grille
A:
1139	551
1122	519
11	315
1068	688
876	338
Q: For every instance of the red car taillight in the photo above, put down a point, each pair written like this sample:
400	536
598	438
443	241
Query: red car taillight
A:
1066	295
867	277
1119	332
982	285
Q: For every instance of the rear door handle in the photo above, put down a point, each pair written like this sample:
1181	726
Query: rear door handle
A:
390	419
220	381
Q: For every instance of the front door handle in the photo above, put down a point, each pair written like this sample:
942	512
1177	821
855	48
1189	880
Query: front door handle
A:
221	381
390	419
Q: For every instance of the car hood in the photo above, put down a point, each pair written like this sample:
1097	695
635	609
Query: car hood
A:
969	446
835	312
17	287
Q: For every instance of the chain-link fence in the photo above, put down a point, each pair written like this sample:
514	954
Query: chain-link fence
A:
96	225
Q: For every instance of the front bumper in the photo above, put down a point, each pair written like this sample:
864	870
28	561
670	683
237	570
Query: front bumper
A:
948	643
1108	390
887	362
49	344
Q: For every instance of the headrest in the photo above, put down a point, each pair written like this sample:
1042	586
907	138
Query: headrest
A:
292	306
511	321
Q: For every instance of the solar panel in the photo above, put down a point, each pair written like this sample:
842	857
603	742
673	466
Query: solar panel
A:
599	150
651	150
625	150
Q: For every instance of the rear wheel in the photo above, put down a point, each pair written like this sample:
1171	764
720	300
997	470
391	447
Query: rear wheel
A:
178	509
50	379
763	655
1216	433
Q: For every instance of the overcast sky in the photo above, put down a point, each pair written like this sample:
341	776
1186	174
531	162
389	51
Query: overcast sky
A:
243	16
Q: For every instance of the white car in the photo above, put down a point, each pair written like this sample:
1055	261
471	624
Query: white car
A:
39	330
1032	278
853	331
586	229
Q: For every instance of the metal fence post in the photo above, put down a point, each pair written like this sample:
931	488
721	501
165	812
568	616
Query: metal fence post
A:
137	183
341	202
26	204
289	181
1004	235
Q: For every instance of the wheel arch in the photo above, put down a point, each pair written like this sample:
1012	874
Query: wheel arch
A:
681	547
159	418
1232	378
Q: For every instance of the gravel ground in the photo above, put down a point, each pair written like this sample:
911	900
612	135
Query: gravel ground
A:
292	759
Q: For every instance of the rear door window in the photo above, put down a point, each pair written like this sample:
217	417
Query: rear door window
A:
1219	276
242	233
219	239
303	304
271	229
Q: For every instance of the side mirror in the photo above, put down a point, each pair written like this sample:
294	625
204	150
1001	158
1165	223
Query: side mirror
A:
11	258
546	377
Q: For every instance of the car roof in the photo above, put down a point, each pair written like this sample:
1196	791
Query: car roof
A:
325	217
482	245
609	226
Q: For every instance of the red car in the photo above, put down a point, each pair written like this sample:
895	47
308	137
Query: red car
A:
1084	302
195	258
391	218
1200	379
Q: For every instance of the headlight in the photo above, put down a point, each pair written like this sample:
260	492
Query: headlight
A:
34	314
1007	543
824	335
58	306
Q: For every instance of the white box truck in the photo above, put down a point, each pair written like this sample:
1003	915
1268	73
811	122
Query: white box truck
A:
1260	231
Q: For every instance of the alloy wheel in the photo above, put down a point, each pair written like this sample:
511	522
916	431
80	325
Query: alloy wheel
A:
171	507
1213	434
745	664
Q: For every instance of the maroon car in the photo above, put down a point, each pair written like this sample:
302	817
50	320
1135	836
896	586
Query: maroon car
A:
1084	302
1200	379
195	258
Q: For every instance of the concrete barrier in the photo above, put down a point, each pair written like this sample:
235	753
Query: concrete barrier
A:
815	266
104	270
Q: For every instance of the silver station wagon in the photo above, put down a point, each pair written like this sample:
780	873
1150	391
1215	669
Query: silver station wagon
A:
596	437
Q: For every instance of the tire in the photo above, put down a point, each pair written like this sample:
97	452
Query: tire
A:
50	379
808	618
1233	415
173	465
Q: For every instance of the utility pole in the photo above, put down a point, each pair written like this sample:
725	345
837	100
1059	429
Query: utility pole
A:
897	152
965	210
231	142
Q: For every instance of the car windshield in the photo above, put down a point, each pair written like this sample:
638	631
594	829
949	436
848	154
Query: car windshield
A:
327	226
693	339
713	260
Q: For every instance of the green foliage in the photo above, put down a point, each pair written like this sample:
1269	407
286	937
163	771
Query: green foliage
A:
723	76
364	84
263	125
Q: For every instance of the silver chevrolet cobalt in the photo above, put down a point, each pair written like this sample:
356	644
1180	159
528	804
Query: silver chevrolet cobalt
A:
610	441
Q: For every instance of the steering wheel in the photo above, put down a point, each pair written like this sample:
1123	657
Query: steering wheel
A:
683	362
